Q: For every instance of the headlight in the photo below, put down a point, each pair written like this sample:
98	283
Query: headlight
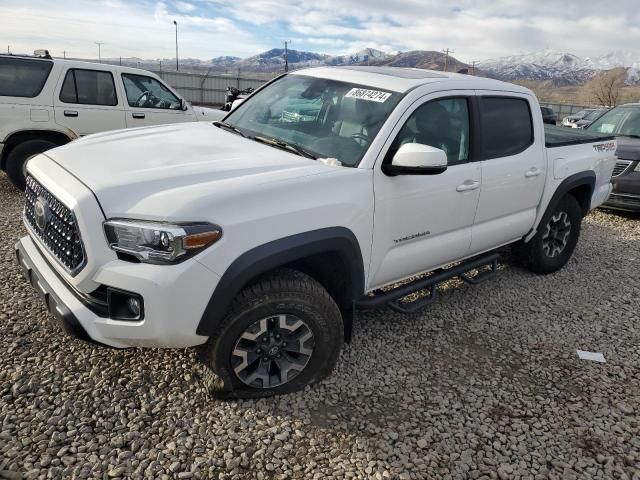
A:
158	242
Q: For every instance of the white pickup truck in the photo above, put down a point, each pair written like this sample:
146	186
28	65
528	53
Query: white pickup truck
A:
257	238
46	102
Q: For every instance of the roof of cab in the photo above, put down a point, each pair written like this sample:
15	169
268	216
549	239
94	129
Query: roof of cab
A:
399	79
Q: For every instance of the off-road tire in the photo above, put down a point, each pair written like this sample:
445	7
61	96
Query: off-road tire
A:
283	292
534	256
19	154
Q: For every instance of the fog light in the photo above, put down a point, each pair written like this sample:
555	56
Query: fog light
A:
134	306
124	305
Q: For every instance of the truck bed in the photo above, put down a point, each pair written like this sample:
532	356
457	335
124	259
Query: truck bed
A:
563	136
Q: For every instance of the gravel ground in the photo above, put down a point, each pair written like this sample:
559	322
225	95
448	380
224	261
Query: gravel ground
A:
486	383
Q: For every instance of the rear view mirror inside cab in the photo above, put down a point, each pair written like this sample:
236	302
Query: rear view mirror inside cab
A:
417	159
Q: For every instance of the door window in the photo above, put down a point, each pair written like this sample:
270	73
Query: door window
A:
148	92
442	124
21	77
88	87
507	127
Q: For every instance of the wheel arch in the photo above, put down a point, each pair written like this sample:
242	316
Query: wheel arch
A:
55	136
332	256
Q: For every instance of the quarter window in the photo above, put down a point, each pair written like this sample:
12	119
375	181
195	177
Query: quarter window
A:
20	77
507	128
88	87
147	92
442	124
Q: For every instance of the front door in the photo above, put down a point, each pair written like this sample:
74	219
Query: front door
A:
88	102
149	102
424	221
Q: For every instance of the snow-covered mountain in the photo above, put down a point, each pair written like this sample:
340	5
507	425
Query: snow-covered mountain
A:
561	68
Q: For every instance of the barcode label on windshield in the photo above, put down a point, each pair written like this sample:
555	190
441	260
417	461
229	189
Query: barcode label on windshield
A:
369	95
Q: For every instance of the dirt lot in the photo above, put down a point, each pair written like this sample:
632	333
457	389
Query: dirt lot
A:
486	383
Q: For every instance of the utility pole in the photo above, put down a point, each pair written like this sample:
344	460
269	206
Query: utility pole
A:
8	50
176	24
473	66
446	52
99	51
64	54
286	55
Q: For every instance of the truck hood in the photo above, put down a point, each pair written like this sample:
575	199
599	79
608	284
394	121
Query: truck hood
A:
126	167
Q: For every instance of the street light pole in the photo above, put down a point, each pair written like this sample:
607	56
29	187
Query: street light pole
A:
99	54
176	24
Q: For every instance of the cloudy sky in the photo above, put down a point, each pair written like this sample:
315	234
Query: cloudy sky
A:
474	29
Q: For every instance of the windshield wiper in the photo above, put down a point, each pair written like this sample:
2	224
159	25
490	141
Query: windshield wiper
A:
285	146
630	135
230	127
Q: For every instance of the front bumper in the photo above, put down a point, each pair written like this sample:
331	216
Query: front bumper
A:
623	201
175	297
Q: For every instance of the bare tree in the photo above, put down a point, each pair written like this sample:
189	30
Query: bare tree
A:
606	88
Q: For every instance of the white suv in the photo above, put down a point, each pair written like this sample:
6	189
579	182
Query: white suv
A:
46	102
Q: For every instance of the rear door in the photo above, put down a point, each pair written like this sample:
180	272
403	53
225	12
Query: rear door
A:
86	101
150	102
513	169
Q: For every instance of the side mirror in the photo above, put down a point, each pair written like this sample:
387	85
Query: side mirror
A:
417	159
184	106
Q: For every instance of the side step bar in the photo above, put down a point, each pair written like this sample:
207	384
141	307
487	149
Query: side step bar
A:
429	283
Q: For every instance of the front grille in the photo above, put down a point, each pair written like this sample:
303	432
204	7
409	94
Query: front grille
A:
54	225
621	166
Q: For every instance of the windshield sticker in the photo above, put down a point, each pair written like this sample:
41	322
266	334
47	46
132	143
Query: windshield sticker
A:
369	95
607	128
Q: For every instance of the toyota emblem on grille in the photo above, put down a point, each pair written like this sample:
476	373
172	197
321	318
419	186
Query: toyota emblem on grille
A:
41	213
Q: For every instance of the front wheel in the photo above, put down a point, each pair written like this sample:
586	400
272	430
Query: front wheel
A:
281	334
552	246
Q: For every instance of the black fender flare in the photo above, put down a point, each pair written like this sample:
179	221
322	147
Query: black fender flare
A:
579	179
277	253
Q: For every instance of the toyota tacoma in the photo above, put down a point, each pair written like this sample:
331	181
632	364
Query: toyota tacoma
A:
257	238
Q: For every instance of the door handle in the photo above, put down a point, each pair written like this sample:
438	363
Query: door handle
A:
137	115
468	185
70	113
534	172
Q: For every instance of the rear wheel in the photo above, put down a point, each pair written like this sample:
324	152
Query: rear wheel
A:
552	246
281	334
20	155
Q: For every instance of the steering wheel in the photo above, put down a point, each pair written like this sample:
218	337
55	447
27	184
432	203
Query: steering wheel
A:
142	95
361	139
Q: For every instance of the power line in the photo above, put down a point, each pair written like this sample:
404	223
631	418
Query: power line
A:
446	52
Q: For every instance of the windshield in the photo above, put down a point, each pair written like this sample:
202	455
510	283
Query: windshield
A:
325	118
619	121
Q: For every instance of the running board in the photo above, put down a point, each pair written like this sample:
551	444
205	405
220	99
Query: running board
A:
392	297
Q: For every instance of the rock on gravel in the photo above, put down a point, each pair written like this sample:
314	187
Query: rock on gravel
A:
484	384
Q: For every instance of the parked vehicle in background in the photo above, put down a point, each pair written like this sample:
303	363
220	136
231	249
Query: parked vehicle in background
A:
569	121
590	117
232	95
548	115
47	102
256	238
624	123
